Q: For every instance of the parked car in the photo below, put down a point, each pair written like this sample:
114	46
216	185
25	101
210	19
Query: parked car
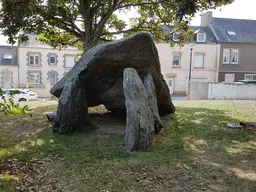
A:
20	94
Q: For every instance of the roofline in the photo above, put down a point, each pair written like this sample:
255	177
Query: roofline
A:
7	46
233	18
238	42
213	32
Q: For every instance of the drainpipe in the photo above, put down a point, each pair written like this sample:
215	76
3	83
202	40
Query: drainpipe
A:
190	64
17	56
18	75
190	69
217	62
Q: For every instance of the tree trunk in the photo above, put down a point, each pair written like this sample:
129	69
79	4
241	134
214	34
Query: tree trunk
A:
86	47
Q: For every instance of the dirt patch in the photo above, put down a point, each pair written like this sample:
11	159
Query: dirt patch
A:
109	123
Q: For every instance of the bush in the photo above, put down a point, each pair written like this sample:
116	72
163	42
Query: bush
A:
8	106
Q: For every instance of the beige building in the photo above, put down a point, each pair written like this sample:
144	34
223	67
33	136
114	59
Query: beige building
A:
41	66
175	64
175	61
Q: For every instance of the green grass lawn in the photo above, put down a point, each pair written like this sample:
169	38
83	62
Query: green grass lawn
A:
194	152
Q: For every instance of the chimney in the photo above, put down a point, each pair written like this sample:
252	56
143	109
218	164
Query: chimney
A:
206	18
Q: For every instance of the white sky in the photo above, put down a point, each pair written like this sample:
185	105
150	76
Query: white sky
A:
240	9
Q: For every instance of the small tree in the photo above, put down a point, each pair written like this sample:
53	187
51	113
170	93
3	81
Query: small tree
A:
86	23
8	106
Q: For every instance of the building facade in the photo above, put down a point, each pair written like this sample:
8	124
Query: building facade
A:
8	67
41	66
237	40
223	51
175	61
237	62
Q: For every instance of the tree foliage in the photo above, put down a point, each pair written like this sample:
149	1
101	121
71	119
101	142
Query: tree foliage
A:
86	23
8	106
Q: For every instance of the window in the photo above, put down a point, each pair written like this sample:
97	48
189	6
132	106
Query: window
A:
34	59
229	78
53	78
234	56
231	33
7	56
201	37
230	56
199	61
175	37
52	60
249	77
69	61
34	78
176	60
6	92
13	92
170	82
226	55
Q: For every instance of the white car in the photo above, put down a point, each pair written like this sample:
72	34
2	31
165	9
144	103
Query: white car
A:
20	94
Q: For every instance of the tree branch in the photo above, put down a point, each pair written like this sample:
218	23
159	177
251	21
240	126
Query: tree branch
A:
124	31
70	30
139	4
104	19
74	27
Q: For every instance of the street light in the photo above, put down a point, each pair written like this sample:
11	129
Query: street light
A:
190	64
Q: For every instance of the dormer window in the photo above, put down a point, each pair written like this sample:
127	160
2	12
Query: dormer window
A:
7	56
201	37
175	36
232	33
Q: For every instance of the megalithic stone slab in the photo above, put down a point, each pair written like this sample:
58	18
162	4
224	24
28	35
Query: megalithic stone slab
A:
140	121
151	93
72	111
101	69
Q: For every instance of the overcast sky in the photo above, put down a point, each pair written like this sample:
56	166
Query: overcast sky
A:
240	9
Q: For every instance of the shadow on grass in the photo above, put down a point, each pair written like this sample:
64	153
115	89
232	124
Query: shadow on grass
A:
215	149
195	137
200	124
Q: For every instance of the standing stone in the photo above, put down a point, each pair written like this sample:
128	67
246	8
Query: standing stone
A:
72	111
139	118
151	92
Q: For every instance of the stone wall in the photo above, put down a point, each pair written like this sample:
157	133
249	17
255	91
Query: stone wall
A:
221	91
